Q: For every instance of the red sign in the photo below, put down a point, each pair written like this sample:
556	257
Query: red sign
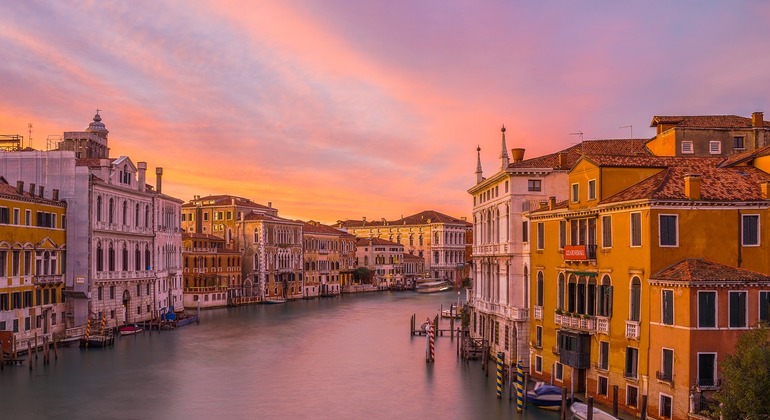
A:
575	252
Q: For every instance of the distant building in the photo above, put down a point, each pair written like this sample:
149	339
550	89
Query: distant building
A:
328	255
32	258
434	236
384	258
212	273
414	269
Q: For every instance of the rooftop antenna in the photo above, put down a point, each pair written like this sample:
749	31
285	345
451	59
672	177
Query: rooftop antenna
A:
578	133
630	127
29	126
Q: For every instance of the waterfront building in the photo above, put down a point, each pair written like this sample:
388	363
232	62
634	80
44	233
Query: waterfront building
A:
434	236
32	259
328	255
122	234
616	294
384	258
499	298
211	271
414	269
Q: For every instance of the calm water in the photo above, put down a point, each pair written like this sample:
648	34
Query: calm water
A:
341	358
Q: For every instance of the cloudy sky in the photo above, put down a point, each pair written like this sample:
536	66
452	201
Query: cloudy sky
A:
337	109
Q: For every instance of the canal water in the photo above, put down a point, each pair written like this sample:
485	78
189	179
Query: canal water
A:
335	358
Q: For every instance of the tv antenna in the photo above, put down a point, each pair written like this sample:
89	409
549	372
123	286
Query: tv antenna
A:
629	127
578	133
29	126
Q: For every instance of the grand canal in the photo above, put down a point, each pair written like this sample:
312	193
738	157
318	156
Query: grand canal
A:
340	358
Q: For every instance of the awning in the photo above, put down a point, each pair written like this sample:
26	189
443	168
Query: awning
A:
74	294
584	273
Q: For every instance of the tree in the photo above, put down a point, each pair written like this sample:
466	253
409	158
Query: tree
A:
746	378
363	275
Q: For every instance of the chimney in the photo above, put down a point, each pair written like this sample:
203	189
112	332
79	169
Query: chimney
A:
757	120
41	190
31	189
562	160
158	179
196	197
142	166
692	186
55	196
232	201
364	218
270	204
765	188
20	187
517	154
551	202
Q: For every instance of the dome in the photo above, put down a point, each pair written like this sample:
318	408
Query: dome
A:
97	126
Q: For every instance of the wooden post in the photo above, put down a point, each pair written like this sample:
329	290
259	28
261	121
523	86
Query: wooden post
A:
451	328
13	346
35	345
524	388
590	410
615	400
563	414
55	352
435	326
2	361
29	353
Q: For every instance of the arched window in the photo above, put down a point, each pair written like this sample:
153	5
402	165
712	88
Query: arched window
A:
136	215
99	257
111	215
591	310
46	263
539	288
560	295
636	299
146	216
111	258
98	208
124	258
572	293
605	297
435	257
125	212
137	259
256	238
147	258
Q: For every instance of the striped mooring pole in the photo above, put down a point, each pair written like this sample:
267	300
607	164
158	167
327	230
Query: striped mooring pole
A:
104	322
88	330
499	374
430	352
519	387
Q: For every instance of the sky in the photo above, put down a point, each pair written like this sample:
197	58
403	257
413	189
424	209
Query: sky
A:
343	109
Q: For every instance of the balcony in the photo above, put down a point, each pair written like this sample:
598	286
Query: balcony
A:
505	311
50	279
539	313
632	330
580	253
665	376
603	325
709	383
576	322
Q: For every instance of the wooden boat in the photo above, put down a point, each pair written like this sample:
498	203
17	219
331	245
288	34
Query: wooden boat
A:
545	396
275	300
130	329
580	411
452	312
433	287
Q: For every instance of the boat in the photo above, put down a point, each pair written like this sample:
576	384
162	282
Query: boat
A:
433	287
275	300
130	329
580	411
545	396
452	312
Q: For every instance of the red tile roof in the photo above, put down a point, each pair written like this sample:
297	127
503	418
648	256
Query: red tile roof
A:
415	219
705	121
745	156
621	147
315	227
698	269
225	200
375	241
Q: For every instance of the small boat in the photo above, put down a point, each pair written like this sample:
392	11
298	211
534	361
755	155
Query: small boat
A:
275	300
580	411
545	396
433	287
452	312
130	329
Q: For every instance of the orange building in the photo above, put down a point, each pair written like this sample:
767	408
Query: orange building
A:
212	273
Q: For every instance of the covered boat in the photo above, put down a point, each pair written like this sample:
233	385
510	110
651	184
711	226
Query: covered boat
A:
545	396
580	411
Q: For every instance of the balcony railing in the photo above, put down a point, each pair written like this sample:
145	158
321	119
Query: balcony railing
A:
632	330
709	383
48	279
576	321
510	312
603	325
538	312
665	376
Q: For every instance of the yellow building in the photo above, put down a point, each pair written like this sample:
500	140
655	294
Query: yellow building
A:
32	260
212	273
593	256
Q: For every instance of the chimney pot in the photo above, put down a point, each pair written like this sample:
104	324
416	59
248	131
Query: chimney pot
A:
517	154
562	161
158	179
20	187
757	119
692	186
551	202
55	194
31	189
142	181
41	191
270	204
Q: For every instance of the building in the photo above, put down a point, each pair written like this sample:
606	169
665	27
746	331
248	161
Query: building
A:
384	258
615	287
32	260
212	273
434	236
414	269
124	258
328	255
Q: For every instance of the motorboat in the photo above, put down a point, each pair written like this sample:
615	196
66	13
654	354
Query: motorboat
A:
433	287
545	396
275	300
130	329
580	411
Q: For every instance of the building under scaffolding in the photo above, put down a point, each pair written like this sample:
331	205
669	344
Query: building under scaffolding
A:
11	142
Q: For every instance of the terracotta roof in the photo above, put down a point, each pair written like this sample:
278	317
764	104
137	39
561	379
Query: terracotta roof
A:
375	241
415	219
558	206
412	257
226	200
705	121
10	191
315	227
193	235
731	184
745	156
620	147
90	162
698	269
268	218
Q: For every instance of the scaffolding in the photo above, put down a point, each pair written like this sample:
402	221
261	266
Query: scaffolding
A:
11	142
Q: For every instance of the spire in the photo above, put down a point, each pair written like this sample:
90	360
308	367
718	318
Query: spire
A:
479	178
504	153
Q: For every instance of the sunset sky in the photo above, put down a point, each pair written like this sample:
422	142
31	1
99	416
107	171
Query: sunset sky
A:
338	109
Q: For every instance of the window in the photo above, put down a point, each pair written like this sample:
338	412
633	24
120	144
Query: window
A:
98	208
636	299
687	147
604	355
666	365
592	189
534	185
560	295
738	142
575	193
538	364
540	236
737	309
606	231
636	229
764	307
632	361
562	233
16	216
602	386
667	307
28	218
665	406
707	309
4	215
668	230
707	367
750	229
524	232
605	297
540	288
715	147
539	336
559	372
